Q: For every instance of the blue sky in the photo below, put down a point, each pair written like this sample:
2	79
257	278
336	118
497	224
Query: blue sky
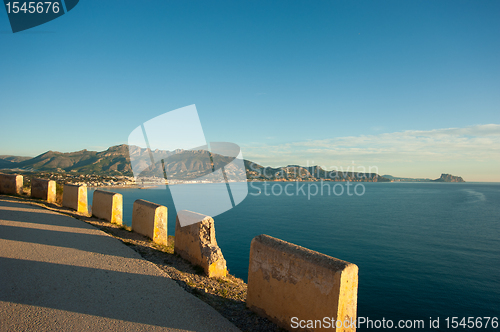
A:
411	87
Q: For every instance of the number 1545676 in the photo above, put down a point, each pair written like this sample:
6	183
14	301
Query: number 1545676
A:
32	7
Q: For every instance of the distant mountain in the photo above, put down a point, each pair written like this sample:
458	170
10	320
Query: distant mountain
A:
10	161
112	161
301	173
449	178
181	164
14	159
443	178
393	178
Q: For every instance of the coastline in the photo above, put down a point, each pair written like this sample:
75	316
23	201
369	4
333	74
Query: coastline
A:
274	181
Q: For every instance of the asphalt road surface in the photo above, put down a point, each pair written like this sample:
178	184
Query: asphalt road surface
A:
58	273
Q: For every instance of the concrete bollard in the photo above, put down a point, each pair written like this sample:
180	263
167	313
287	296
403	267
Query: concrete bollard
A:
11	184
292	286
150	219
43	189
196	243
108	206
75	197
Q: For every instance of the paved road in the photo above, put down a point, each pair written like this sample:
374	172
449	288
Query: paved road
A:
58	273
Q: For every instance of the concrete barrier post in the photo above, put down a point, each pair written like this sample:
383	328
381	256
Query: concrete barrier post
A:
43	189
75	197
289	284
196	243
108	206
150	219
11	184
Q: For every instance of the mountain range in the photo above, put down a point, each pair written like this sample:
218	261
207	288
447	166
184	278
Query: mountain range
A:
116	161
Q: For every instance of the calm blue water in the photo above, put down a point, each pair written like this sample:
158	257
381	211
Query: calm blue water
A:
423	249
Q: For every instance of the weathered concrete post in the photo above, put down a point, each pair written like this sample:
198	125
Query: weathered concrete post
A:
75	197
43	189
196	243
11	184
289	284
150	219
108	206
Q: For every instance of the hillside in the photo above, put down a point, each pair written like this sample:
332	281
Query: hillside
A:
112	161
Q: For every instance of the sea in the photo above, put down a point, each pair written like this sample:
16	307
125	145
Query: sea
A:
426	251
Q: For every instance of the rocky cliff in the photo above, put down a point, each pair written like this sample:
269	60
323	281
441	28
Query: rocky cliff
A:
449	178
